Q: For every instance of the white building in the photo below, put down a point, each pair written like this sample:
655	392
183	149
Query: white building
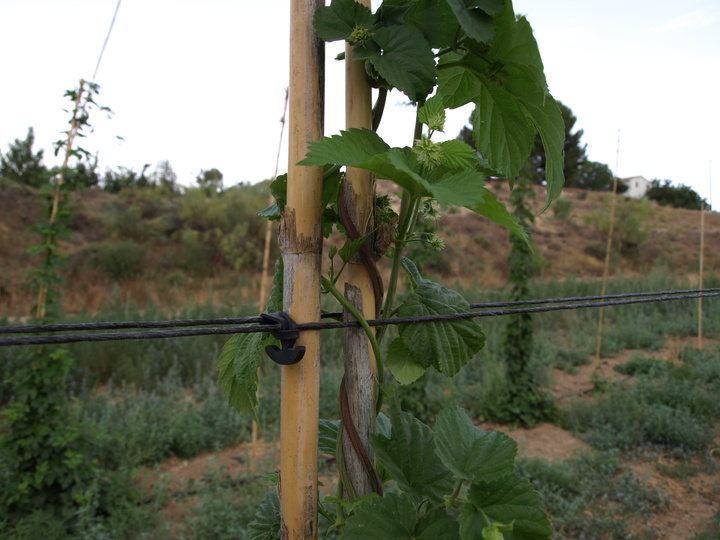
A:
637	186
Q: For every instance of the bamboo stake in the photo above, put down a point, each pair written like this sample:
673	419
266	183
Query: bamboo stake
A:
301	246
359	360
606	269
700	279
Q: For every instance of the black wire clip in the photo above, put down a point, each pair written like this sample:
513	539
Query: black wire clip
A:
287	335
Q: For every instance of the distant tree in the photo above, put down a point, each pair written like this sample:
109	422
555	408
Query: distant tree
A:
594	176
677	196
22	164
164	177
116	181
211	181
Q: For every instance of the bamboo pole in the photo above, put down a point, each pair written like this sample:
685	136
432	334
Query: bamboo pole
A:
301	246
359	361
700	279
608	250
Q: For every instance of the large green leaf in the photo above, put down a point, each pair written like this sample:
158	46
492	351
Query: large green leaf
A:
327	436
447	345
469	452
510	499
353	147
394	516
501	130
403	57
237	366
496	211
266	523
401	363
409	457
477	22
340	19
457	85
435	20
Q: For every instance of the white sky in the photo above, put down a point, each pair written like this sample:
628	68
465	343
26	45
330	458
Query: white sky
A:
202	84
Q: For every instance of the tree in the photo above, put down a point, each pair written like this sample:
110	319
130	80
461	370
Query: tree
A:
164	177
594	176
116	181
22	164
211	180
83	175
677	196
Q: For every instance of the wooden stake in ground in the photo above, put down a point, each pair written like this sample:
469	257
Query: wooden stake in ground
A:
359	381
608	251
700	274
301	246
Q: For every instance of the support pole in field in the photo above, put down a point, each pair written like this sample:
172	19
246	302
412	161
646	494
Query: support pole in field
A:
301	246
358	197
608	251
700	275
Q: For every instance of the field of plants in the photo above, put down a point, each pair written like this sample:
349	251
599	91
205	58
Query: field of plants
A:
649	423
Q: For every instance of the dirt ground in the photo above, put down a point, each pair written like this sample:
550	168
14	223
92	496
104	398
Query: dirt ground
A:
694	500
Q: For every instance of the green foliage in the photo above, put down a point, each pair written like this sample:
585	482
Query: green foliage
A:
680	196
592	496
595	176
50	459
671	409
630	231
120	260
22	164
562	209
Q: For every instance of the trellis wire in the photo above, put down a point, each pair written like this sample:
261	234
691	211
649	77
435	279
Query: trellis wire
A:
588	302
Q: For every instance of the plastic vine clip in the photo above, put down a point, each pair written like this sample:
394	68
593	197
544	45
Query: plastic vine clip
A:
287	355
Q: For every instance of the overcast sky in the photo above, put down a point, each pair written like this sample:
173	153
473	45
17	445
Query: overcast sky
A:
202	84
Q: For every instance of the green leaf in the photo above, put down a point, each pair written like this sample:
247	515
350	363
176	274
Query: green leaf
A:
458	155
471	453
237	367
447	345
510	499
401	363
327	436
394	516
457	85
340	18
353	147
496	211
432	114
501	130
409	457
266	523
477	22
405	60
435	20
460	189
349	249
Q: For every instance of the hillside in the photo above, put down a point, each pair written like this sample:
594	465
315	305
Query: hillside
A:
144	246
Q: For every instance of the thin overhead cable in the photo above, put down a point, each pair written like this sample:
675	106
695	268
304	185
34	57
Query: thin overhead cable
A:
632	298
107	37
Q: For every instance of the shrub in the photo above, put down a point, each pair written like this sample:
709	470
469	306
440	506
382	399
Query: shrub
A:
120	260
562	209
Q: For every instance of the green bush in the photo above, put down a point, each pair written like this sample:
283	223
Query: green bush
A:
120	260
562	209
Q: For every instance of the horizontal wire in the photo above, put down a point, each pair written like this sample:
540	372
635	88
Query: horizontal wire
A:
160	334
181	323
